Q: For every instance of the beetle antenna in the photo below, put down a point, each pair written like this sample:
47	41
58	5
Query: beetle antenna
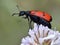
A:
18	7
15	14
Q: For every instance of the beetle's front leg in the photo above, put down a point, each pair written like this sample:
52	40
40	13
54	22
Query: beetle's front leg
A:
29	22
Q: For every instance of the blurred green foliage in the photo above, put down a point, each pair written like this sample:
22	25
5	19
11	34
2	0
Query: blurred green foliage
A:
12	29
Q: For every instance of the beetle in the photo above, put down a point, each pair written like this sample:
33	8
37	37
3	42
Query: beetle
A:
39	17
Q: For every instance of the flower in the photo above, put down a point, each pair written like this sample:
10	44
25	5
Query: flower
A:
41	35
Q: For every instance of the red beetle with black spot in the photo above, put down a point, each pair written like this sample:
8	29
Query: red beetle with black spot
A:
38	17
41	14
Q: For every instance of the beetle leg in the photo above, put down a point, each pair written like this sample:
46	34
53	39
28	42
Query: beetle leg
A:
29	22
30	27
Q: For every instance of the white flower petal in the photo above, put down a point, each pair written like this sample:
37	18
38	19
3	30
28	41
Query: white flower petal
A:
41	40
22	44
35	25
31	33
37	36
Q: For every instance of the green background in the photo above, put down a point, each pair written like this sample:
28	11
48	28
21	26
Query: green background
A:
13	28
